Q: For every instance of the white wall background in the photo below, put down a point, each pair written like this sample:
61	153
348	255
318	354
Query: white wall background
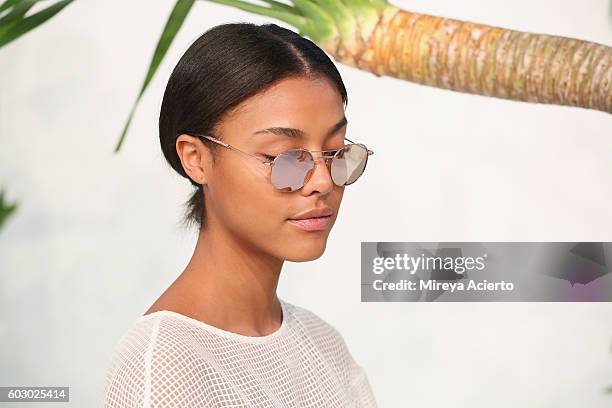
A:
96	237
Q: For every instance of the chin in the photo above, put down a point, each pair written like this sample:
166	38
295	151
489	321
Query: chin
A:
306	250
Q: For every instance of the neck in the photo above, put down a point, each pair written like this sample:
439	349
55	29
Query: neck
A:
231	284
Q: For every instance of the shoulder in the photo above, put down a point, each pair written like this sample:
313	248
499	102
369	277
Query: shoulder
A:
332	346
323	335
127	359
125	372
155	362
149	335
313	323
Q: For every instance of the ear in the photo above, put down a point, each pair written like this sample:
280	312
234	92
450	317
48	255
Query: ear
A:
195	157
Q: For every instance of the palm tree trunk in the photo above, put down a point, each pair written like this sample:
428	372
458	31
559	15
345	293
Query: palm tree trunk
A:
375	36
481	59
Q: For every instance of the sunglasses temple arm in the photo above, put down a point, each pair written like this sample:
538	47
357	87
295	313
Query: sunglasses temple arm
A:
238	150
249	155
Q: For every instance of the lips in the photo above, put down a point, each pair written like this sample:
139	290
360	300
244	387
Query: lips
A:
313	213
312	224
315	219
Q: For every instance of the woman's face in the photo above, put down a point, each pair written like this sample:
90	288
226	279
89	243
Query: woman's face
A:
239	196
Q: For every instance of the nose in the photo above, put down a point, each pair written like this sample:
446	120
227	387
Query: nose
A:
319	177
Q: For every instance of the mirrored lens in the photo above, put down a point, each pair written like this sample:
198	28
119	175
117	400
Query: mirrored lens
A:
290	169
348	164
293	168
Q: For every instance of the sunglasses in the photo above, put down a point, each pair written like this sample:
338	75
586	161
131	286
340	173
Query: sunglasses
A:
293	168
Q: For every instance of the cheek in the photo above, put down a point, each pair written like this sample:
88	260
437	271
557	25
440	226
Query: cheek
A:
250	207
249	202
339	192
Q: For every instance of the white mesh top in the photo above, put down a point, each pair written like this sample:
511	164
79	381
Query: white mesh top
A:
167	359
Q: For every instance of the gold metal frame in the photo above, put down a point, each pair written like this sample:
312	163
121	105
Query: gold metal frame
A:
323	153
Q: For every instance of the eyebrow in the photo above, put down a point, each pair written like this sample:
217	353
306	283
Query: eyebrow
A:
299	134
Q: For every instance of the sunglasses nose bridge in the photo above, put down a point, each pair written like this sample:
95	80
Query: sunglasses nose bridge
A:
326	156
326	161
312	170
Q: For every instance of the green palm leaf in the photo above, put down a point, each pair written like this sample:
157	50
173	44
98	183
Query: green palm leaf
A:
8	4
5	209
174	23
13	24
16	10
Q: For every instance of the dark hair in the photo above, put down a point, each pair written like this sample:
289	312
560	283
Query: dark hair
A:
225	65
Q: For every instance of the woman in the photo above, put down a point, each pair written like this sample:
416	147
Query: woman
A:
242	111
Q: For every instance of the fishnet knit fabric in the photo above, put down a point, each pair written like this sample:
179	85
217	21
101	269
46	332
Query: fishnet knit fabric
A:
167	359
